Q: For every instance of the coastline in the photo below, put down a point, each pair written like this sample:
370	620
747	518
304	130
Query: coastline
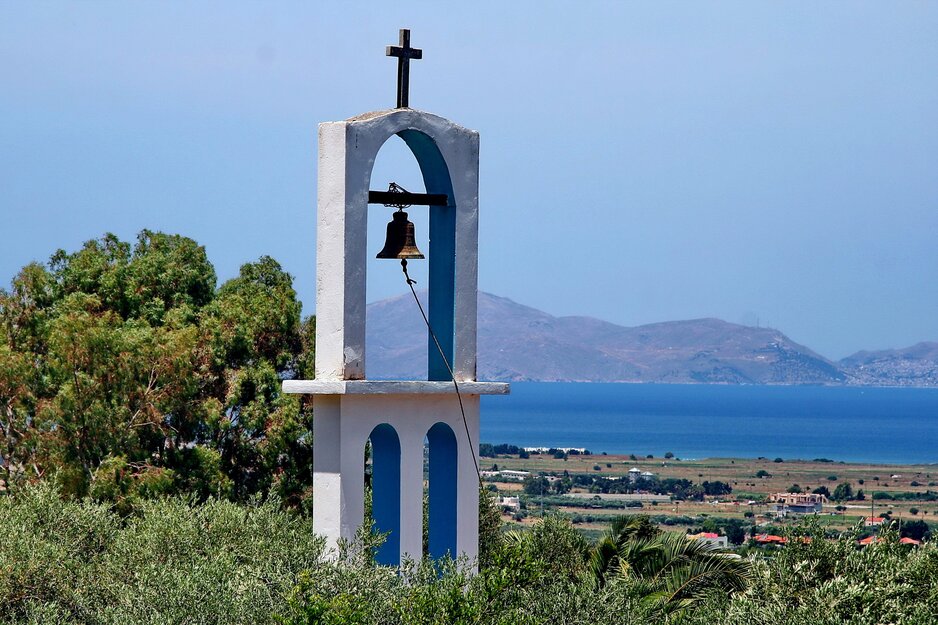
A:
850	423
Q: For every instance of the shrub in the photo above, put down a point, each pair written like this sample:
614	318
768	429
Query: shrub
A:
831	582
172	561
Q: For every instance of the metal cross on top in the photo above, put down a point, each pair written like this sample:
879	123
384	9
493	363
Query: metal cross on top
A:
404	54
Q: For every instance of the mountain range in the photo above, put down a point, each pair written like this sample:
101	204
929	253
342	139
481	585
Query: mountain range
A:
520	343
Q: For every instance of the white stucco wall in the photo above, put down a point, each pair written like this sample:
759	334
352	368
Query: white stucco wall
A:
342	426
347	152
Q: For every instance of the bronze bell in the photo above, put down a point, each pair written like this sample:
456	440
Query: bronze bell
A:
400	242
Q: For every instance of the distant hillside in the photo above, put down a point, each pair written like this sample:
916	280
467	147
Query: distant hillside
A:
517	342
911	366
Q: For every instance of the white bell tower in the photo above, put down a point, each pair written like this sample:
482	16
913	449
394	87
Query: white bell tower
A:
397	416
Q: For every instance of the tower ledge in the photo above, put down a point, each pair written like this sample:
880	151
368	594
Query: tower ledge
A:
391	387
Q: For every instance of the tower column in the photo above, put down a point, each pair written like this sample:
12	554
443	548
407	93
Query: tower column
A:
467	480
411	488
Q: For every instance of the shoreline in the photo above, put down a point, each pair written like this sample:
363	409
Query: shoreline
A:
721	384
847	423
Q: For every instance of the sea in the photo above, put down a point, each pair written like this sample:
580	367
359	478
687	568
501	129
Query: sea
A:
851	424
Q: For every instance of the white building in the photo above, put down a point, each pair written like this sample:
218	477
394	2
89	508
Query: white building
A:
509	474
511	503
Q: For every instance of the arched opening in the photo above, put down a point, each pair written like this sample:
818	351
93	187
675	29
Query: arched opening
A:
385	477
441	491
417	356
395	335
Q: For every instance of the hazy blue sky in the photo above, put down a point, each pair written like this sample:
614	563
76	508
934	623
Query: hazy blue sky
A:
640	162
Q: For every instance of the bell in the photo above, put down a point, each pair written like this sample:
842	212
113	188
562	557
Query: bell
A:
400	241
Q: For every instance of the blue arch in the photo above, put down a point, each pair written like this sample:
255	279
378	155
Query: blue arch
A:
442	495
442	276
386	492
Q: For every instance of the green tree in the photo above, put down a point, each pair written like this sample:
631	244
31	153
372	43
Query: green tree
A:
843	492
917	530
17	403
735	534
123	363
113	383
536	485
254	338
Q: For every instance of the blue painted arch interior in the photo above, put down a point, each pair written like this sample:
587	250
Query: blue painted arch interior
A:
442	288
386	492
441	518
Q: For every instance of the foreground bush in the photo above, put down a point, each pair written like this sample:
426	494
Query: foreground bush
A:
218	562
173	561
549	575
525	584
822	582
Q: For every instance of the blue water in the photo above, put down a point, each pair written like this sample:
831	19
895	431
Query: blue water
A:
889	425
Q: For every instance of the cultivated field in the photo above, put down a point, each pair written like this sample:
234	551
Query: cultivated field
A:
741	475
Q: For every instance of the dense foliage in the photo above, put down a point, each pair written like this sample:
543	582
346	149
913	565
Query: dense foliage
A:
171	561
175	561
125	373
678	488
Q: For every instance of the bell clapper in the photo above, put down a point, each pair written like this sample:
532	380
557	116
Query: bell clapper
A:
407	275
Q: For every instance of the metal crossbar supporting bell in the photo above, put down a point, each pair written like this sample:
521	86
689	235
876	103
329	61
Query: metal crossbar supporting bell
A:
400	242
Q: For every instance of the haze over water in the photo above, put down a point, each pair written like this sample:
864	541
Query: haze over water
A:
854	424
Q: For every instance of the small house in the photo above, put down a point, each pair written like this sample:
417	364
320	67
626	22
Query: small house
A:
712	538
797	503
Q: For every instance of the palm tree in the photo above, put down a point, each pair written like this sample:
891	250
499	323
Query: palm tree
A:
667	568
626	533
